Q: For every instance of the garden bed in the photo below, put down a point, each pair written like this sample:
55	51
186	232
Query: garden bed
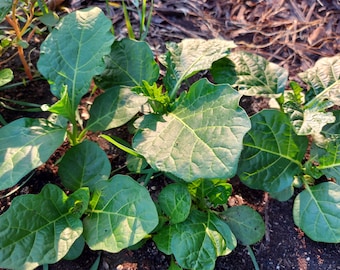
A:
291	34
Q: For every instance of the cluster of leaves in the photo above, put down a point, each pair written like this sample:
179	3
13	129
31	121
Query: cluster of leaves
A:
197	135
296	145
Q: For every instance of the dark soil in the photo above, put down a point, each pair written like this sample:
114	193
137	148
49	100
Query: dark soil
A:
293	34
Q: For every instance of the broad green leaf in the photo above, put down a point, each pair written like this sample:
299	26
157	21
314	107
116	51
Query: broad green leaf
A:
114	108
316	212
5	7
25	144
198	241
73	52
328	159
40	229
76	249
201	138
283	195
175	202
6	75
272	152
224	71
216	190
191	56
257	76
245	223
121	214
83	166
163	239
324	82
129	64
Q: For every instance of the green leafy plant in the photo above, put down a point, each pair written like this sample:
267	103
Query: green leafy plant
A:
110	213
13	21
21	16
193	132
297	144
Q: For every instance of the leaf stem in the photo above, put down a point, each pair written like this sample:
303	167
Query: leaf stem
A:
174	90
252	256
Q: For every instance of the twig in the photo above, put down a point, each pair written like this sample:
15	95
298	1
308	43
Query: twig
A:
13	21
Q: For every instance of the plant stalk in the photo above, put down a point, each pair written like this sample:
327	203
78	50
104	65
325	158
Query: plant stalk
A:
253	259
20	32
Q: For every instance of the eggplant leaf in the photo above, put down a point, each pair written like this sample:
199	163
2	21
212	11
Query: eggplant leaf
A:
175	202
324	82
163	239
62	107
40	229
114	108
129	64
257	76
191	56
122	213
272	153
328	158
316	212
245	223
198	241
83	166
201	138
25	144
71	54
216	190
